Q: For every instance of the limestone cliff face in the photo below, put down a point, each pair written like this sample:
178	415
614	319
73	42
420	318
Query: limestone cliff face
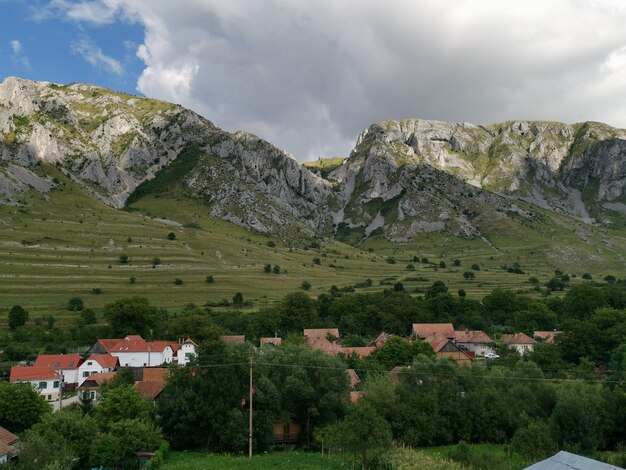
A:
415	176
403	179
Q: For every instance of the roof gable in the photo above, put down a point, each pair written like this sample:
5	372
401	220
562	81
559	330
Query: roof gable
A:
7	437
567	461
517	338
424	330
472	336
29	373
314	333
106	361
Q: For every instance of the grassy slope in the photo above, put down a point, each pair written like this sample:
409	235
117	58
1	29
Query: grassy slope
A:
278	460
67	244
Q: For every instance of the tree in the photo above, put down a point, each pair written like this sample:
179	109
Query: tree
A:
398	287
581	301
437	288
306	285
456	262
89	316
238	299
398	351
469	275
75	304
171	236
267	268
362	431
475	267
178	282
210	280
533	441
124	259
462	293
296	312
587	276
17	316
276	269
121	403
156	262
20	406
610	279
132	315
442	264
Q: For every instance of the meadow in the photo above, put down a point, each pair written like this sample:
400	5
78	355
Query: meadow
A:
67	244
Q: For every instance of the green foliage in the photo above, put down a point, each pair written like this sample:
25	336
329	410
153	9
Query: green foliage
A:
534	441
267	268
75	304
178	281
20	406
390	260
171	236
209	279
410	267
120	403
271	243
17	316
132	315
88	316
442	264
238	299
476	267
276	269
305	285
124	259
469	275
398	351
456	262
437	288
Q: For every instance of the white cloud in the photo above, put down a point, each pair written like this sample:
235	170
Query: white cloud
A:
18	54
308	75
94	55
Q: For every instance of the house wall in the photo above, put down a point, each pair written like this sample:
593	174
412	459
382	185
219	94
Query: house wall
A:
458	357
70	376
183	351
88	368
49	392
287	432
521	348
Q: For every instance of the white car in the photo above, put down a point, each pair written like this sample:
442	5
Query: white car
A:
491	355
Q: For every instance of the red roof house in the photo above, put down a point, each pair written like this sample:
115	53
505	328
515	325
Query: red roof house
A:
424	330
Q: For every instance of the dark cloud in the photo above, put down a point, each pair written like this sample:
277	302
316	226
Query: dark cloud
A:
310	75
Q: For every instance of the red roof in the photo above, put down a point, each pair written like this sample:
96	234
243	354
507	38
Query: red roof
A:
274	341
362	351
106	361
313	333
517	338
30	373
324	345
109	343
380	340
7	437
233	338
159	346
546	336
149	390
354	379
355	396
424	330
437	341
99	379
472	336
59	361
155	374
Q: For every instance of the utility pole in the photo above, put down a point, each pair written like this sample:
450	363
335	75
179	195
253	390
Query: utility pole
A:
250	413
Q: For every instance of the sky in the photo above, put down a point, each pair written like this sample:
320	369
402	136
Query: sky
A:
310	75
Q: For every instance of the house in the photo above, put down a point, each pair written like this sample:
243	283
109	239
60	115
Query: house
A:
66	364
186	352
150	390
475	341
43	379
92	384
361	351
424	330
103	346
233	339
567	461
445	348
354	378
548	337
380	340
8	442
272	341
97	364
519	341
355	396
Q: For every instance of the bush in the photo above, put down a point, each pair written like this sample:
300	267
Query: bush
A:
391	260
17	316
156	262
133	279
587	276
276	269
178	282
475	267
469	275
171	236
442	264
238	299
306	285
124	259
96	290
456	262
271	243
317	261
210	280
410	267
267	268
75	304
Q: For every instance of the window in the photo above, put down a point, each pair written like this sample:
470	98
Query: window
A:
89	363
43	384
86	374
49	397
55	384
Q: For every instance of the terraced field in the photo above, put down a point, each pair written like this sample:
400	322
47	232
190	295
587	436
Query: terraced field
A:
68	244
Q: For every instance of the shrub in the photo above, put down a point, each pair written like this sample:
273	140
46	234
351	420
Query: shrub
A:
267	268
171	236
475	267
96	290
456	262
178	282
391	260
156	261
587	276
271	243
238	299
306	285
17	316
133	279
276	269
210	280
124	259
442	264
469	275
317	261
75	304
410	267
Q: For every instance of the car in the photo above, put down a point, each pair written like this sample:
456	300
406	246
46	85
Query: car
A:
491	355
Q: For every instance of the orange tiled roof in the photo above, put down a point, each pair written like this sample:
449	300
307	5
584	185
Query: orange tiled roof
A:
28	373
99	379
7	437
150	390
106	361
155	374
109	343
324	345
424	330
6	449
380	340
517	338
546	336
313	333
361	351
355	396
354	379
472	336
59	361
437	341
233	338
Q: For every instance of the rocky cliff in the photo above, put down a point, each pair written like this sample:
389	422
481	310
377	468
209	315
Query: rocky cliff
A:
403	179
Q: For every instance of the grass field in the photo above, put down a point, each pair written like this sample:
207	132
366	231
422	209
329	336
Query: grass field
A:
67	244
277	460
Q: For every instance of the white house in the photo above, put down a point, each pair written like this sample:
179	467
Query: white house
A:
134	351
97	364
66	364
476	341
186	350
520	342
43	379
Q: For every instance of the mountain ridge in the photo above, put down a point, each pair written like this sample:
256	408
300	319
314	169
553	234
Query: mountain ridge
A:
402	180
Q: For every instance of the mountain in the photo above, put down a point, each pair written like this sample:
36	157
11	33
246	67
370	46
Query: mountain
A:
403	180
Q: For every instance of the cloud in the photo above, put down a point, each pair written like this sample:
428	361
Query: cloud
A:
94	55
18	54
310	75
